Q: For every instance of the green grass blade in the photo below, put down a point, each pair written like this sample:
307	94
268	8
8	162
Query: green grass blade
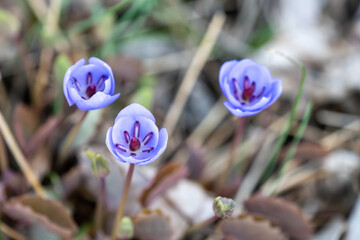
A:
285	132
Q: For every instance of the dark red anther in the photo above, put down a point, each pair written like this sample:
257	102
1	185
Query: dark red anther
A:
136	129
248	91
120	147
236	88
90	90
127	136
148	149
134	144
147	138
89	78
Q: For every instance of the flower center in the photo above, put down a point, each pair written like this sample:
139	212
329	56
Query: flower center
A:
247	94
134	144
91	90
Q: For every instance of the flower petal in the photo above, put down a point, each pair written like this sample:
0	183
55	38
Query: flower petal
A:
67	77
225	71
239	112
135	110
98	100
97	61
110	144
163	138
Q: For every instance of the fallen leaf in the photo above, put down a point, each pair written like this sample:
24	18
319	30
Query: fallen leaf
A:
44	212
166	177
286	214
152	225
248	227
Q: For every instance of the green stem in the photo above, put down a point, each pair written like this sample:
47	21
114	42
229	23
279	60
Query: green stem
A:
121	207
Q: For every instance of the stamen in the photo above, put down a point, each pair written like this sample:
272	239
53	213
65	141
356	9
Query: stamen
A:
148	149
120	147
136	129
77	85
101	81
236	89
147	138
127	136
89	78
246	82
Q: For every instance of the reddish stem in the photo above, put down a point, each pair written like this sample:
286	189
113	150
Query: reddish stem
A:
121	207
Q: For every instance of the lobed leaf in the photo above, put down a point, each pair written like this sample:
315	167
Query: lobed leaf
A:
289	216
44	212
248	227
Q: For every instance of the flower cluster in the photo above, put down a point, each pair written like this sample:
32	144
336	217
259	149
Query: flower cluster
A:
248	86
135	138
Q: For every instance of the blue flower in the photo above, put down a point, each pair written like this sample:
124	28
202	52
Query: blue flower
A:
248	87
89	86
134	138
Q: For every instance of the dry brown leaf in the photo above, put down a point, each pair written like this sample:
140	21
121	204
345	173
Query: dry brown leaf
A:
42	134
289	216
248	227
152	225
166	177
44	212
25	121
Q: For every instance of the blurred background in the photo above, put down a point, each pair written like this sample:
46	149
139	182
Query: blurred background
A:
166	55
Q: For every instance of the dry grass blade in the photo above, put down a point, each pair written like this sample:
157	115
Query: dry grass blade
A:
47	213
247	227
290	217
19	157
191	75
11	232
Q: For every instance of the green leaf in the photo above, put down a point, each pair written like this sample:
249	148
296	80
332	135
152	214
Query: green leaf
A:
8	22
145	93
285	132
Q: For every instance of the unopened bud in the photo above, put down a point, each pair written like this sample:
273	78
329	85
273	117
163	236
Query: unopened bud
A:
125	228
223	207
99	165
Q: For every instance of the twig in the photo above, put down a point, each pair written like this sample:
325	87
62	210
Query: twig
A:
121	207
71	137
193	72
19	157
3	157
11	232
230	161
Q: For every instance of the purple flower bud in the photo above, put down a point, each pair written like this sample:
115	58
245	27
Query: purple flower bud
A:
134	138
248	86
89	86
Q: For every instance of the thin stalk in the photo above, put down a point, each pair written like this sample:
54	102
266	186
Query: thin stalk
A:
285	132
121	207
235	143
20	158
71	137
100	205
